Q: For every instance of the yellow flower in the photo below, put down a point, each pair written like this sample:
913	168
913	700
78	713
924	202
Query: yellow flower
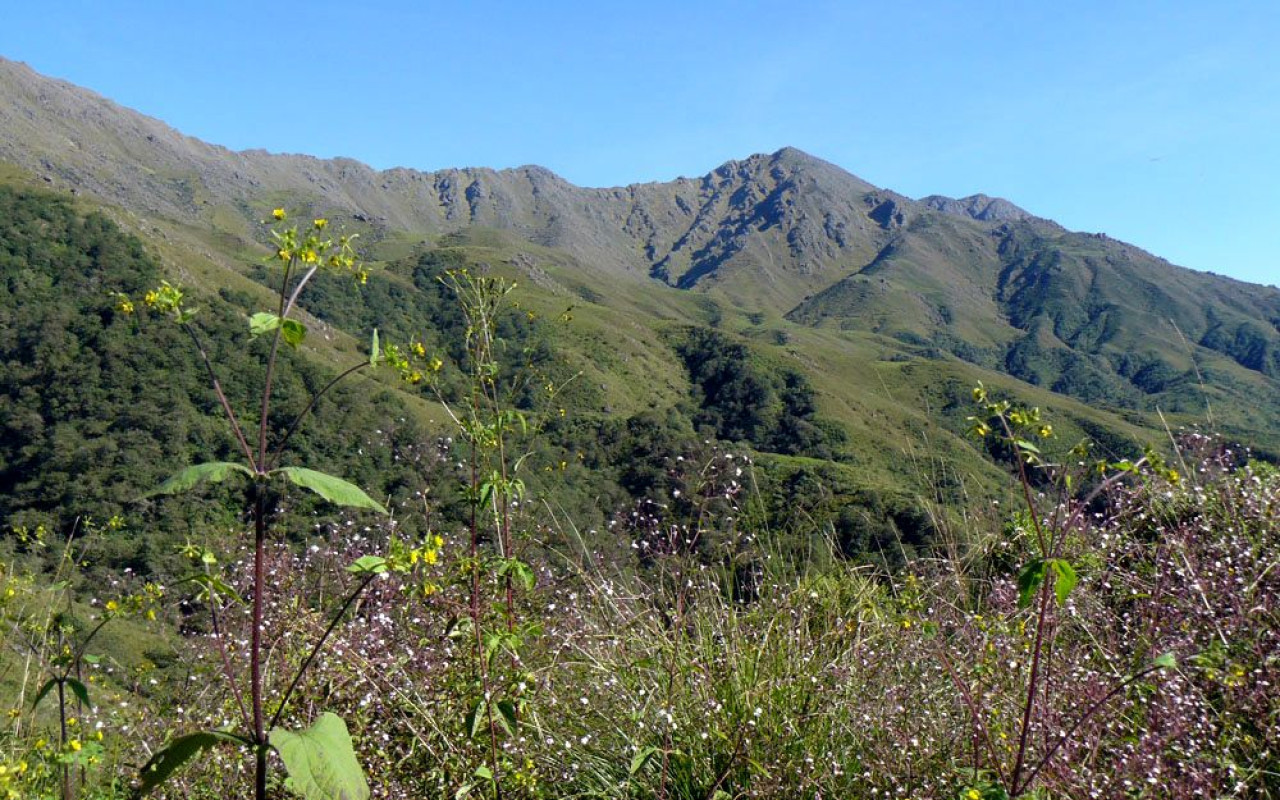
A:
973	794
308	256
150	298
320	224
75	745
430	557
112	605
438	541
418	349
278	213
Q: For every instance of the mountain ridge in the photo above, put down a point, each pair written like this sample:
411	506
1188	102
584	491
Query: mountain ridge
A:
784	236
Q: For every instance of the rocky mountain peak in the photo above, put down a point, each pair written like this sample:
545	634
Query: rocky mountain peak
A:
978	206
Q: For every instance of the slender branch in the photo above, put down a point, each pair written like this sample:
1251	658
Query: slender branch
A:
315	651
285	307
275	457
1093	709
259	589
227	670
84	644
980	728
222	397
297	291
1037	649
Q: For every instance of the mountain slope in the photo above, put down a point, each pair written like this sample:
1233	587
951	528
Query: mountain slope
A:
768	246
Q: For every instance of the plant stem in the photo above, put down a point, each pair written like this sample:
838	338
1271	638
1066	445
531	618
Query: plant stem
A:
275	456
255	654
315	651
1016	786
222	397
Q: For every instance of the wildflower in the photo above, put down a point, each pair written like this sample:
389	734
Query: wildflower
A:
321	224
112	605
75	745
278	214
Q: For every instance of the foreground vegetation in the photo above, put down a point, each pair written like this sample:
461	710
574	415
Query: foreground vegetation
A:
1111	634
696	680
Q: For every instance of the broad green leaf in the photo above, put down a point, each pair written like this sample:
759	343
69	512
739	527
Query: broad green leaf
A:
79	690
373	350
1165	661
209	472
507	715
321	761
519	572
1029	580
474	718
640	759
89	658
212	585
484	773
335	490
181	750
44	690
293	332
1023	444
263	323
366	565
1065	578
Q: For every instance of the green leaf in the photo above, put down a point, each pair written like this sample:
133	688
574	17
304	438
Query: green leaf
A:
484	773
1165	661
373	350
263	323
368	565
474	718
321	761
44	690
181	750
640	759
79	690
335	490
507	715
293	332
1029	580
1065	578
209	472
1026	446
212	585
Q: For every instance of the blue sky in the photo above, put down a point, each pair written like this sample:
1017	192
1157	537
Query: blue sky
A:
1155	122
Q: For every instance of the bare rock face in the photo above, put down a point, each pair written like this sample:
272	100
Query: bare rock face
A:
978	207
